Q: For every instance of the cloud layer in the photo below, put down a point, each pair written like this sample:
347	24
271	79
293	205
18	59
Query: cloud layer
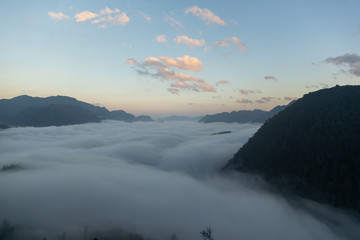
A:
153	178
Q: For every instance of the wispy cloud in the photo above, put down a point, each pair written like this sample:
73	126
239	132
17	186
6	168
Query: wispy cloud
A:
221	44
58	16
189	41
320	85
160	68
239	44
222	81
173	90
243	100
270	77
290	98
104	17
265	99
244	91
147	17
207	49
350	60
312	86
127	45
241	47
173	22
233	22
131	61
107	10
249	91
118	19
161	38
205	15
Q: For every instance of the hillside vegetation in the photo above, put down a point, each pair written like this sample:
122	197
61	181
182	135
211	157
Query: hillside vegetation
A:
312	148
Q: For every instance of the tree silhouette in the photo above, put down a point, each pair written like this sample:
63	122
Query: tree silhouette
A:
6	230
206	234
173	237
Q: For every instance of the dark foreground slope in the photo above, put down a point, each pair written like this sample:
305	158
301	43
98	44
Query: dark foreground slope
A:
312	148
242	116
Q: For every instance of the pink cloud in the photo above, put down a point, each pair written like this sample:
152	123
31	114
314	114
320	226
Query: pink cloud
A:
269	77
186	62
85	15
104	17
58	16
243	100
205	14
189	41
221	44
222	81
244	91
107	10
131	61
161	38
160	68
241	47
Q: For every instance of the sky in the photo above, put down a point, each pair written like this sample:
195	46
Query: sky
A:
192	58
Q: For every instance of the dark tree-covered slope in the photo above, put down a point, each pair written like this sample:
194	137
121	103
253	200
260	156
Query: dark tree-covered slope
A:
312	148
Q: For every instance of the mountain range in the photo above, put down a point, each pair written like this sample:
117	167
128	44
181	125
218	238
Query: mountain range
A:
179	118
57	111
311	148
243	116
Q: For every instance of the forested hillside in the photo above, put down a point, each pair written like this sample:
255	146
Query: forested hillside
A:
311	148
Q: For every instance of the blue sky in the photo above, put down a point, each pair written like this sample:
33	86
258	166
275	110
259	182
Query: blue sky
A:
178	57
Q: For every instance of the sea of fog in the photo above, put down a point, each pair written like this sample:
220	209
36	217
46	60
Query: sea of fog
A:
154	179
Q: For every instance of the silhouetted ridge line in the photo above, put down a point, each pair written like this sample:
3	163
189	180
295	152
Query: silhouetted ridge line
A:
57	111
243	116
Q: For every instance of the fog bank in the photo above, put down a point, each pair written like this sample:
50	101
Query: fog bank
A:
154	178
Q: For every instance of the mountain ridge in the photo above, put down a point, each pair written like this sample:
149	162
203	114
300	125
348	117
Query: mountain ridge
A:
18	110
243	116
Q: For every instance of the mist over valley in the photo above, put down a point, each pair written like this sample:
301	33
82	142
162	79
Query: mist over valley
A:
154	179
